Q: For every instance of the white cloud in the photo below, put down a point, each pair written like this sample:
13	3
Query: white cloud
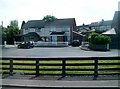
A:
84	11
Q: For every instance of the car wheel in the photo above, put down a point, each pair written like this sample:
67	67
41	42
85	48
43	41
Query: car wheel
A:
28	47
18	46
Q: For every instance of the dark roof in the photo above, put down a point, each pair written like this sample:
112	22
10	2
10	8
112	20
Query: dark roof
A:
103	23
82	26
42	23
57	33
34	24
77	33
31	34
116	21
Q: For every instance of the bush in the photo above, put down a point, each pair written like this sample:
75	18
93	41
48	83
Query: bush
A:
96	38
99	31
91	37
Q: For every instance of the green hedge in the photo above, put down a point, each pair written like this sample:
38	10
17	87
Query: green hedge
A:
96	38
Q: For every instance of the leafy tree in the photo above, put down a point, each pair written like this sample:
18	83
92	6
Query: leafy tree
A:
49	18
14	23
3	34
12	31
9	32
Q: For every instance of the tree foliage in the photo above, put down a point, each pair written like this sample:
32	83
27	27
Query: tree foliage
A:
99	31
9	32
49	18
96	38
14	23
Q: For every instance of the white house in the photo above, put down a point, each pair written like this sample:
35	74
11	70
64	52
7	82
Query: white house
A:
59	30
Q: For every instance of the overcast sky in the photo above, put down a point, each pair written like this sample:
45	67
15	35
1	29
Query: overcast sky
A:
84	11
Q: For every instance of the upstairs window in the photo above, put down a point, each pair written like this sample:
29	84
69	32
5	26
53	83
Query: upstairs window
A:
38	30
52	30
32	30
25	31
65	29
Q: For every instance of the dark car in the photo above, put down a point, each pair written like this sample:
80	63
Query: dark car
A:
25	45
75	43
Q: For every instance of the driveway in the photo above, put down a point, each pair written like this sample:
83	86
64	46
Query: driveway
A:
50	52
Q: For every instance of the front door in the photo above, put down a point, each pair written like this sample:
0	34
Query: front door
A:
54	38
60	39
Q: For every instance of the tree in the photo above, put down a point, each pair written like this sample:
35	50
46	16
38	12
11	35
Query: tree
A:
49	18
9	33
12	31
4	34
14	23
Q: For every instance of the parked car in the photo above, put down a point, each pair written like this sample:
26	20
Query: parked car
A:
25	45
75	43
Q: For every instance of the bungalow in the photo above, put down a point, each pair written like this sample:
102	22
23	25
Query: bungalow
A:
59	30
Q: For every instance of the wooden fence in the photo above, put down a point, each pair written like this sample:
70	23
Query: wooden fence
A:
62	66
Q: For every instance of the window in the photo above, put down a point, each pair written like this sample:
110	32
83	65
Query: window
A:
31	37
52	30
108	27
25	31
38	30
32	30
66	29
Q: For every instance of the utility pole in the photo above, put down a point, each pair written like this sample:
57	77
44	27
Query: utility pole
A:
1	27
2	24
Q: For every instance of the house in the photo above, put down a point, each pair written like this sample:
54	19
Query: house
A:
115	39
78	36
114	32
59	30
116	21
82	27
82	32
102	25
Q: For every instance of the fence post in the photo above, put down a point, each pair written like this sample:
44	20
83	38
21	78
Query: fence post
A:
95	69
37	67
63	67
11	66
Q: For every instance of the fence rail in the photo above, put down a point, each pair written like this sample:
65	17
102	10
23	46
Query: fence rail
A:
62	66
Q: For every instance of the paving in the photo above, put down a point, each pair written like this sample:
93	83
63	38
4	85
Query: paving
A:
51	52
65	82
53	83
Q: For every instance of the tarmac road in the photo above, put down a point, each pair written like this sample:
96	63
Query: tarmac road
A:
50	52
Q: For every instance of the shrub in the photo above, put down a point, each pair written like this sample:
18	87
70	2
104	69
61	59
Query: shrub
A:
91	37
96	38
99	31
